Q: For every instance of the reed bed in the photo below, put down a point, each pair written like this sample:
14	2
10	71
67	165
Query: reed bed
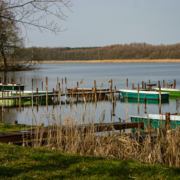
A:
73	135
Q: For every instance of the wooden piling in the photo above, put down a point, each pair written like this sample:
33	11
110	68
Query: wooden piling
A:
145	85
127	83
132	86
115	94
19	100
174	84
142	84
42	86
32	103
138	92
159	92
163	84
65	84
167	120
37	99
62	85
47	93
77	84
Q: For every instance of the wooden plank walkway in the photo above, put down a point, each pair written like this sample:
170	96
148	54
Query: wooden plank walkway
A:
56	94
16	136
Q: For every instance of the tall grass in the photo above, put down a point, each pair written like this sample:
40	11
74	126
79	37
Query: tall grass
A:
69	134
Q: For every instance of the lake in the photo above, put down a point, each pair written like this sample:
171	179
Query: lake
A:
102	73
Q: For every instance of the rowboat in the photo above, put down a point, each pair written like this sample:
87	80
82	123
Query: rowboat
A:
157	120
172	92
11	87
149	95
142	101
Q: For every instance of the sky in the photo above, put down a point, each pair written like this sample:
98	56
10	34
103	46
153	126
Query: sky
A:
108	22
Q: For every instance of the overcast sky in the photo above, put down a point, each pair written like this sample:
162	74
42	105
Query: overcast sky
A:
108	22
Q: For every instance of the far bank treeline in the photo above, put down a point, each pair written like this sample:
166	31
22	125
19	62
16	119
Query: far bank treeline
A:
127	51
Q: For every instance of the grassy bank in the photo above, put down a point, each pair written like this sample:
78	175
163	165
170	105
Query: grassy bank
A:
6	127
117	61
18	162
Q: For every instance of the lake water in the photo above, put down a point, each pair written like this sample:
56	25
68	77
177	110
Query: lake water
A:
102	73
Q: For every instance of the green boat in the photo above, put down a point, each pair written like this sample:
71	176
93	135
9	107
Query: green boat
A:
172	92
142	101
157	120
11	87
149	95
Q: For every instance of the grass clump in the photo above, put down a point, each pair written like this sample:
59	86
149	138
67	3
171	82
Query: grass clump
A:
6	127
18	162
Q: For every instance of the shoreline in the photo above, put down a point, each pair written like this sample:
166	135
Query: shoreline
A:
117	61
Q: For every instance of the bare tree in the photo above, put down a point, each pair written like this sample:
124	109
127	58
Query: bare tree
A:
35	13
28	14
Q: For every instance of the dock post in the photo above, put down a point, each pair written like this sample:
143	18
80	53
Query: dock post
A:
8	80
57	84
167	120
159	92
62	85
37	99
163	84
65	85
127	83
159	99
132	86
145	85
142	84
174	84
19	100
32	101
111	94
53	98
138	93
115	94
47	93
42	86
77	84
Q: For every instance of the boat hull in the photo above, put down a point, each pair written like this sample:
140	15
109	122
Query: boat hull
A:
11	87
172	92
149	95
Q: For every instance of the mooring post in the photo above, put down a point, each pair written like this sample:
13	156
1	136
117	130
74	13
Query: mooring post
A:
62	85
167	120
65	85
111	94
127	83
47	93
115	94
138	92
8	80
19	99
145	85
163	84
77	84
174	84
37	98
159	92
132	86
57	84
142	84
32	101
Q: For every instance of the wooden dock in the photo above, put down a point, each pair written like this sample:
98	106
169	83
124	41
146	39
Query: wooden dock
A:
17	136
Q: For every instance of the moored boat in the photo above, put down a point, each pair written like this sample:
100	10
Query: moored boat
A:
172	92
11	87
149	95
157	120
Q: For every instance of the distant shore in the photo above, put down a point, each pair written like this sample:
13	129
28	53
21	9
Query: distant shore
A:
117	61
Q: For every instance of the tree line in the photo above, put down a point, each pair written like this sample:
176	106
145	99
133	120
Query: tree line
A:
118	51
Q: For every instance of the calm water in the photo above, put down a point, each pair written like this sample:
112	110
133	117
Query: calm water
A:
136	73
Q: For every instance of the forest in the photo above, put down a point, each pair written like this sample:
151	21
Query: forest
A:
117	51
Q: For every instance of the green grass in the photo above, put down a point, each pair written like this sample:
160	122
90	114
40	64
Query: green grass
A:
5	127
18	162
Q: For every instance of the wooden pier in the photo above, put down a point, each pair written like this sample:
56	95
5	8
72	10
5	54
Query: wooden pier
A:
17	136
